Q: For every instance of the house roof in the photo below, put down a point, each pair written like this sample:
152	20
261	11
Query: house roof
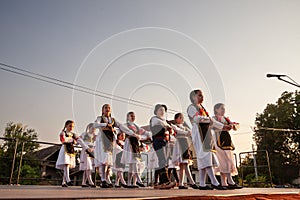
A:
45	153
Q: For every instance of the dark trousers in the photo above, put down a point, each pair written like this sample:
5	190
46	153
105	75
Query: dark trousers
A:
159	145
172	171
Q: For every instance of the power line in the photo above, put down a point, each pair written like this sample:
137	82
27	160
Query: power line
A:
275	129
76	87
69	87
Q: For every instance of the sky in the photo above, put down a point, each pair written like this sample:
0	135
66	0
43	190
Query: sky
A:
150	51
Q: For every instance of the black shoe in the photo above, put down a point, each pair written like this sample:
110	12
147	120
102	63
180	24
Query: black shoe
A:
196	187
92	185
140	184
84	186
218	187
70	183
64	185
132	186
117	186
235	186
104	184
205	188
110	185
124	185
182	187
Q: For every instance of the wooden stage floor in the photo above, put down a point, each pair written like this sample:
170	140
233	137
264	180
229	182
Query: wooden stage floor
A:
76	192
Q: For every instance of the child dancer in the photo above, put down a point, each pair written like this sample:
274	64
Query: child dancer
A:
182	153
224	148
132	154
160	128
119	167
105	142
66	156
87	156
172	167
202	139
153	163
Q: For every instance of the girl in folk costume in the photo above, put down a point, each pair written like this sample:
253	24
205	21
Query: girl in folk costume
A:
224	149
132	154
172	167
105	143
182	154
87	156
153	163
202	139
119	167
66	156
160	128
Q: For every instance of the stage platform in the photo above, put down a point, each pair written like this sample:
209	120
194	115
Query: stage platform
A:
76	192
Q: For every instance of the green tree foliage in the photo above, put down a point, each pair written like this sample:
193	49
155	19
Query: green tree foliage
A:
17	132
283	146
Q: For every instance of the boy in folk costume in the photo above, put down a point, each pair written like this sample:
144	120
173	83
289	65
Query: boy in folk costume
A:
160	128
105	143
224	149
202	140
182	154
66	156
132	155
87	156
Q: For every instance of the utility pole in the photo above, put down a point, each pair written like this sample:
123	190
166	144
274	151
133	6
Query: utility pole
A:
255	164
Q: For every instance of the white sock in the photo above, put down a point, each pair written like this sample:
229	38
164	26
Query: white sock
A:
122	178
229	179
84	178
66	173
188	174
136	174
89	177
181	174
202	177
211	175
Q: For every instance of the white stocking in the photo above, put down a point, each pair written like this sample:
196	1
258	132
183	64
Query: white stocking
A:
66	173
89	177
229	179
211	175
181	174
136	173
120	177
84	178
188	174
202	177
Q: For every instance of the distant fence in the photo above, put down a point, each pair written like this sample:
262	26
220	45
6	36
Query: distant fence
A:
18	160
256	163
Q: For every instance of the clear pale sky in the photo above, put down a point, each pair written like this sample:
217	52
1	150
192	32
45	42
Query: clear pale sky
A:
152	51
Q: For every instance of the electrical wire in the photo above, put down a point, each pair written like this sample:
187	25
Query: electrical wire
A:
62	83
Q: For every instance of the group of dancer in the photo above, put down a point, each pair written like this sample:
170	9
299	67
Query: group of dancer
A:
117	145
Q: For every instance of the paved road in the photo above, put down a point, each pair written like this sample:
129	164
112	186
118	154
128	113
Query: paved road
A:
56	192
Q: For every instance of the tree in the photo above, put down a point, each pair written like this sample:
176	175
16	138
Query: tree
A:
16	132
283	146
